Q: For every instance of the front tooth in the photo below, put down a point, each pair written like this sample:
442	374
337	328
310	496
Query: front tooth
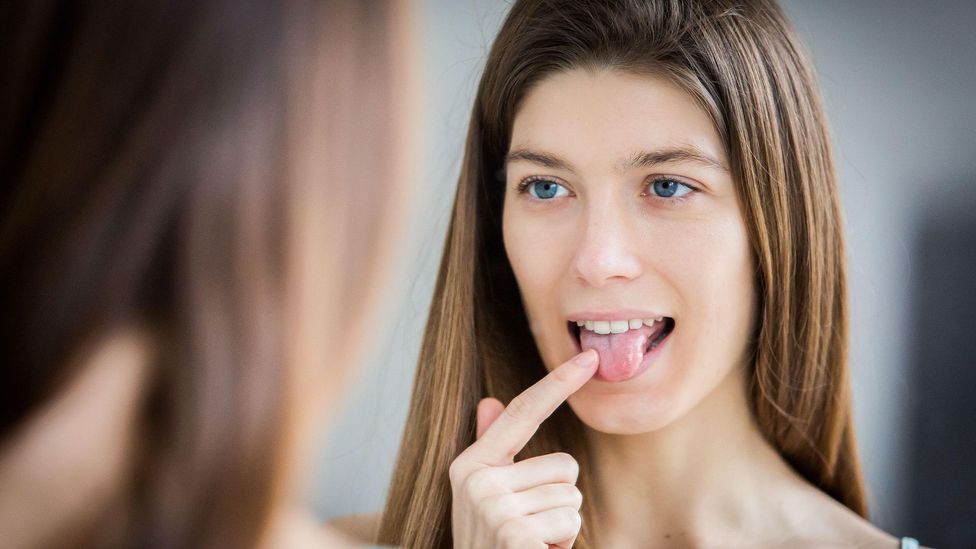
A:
636	323
649	322
618	326
601	326
588	325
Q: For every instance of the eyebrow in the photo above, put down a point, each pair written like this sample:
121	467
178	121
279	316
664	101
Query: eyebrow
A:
641	159
685	153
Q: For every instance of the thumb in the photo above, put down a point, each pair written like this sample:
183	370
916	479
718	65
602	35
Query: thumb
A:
564	544
488	411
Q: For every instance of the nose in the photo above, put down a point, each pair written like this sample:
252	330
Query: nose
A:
606	252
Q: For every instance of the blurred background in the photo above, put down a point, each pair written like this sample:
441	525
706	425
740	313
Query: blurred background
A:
899	82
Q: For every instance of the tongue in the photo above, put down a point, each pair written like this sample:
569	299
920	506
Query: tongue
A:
620	354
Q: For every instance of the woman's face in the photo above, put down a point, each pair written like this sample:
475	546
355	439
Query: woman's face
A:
620	210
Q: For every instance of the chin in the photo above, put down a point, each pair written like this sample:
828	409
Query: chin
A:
624	413
651	400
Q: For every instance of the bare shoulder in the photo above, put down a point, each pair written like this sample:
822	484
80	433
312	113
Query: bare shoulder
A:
859	531
832	524
360	528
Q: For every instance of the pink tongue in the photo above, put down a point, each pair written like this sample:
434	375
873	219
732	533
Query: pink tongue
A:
620	354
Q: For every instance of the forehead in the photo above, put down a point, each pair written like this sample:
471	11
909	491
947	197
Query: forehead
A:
601	115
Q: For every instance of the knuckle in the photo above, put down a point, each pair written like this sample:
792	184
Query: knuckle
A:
520	408
471	488
562	375
479	484
461	468
576	497
497	510
456	471
568	518
567	464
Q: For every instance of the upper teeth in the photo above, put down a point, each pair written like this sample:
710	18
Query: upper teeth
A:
616	326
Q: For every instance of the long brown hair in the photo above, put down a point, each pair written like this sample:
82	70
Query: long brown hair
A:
153	155
744	65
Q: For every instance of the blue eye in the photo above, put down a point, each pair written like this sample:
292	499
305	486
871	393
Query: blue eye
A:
666	187
544	189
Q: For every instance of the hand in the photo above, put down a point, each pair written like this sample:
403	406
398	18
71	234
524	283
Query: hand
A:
532	503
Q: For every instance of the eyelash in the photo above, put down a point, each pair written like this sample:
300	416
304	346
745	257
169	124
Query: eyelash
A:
672	199
522	187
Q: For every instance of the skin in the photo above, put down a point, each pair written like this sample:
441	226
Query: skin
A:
611	244
677	443
532	503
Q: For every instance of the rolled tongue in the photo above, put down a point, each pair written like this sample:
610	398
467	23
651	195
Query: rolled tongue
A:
620	354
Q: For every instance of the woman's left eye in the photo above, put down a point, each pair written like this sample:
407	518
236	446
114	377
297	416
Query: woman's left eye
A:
546	189
668	187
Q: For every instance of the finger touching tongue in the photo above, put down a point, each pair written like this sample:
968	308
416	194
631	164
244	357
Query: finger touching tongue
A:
620	354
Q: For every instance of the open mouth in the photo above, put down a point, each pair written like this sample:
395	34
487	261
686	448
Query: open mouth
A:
625	346
661	330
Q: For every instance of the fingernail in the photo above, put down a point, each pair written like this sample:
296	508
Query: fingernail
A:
586	359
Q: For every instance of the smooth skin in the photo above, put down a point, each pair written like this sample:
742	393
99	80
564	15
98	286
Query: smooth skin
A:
646	216
498	503
533	503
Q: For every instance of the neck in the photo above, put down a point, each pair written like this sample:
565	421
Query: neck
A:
710	474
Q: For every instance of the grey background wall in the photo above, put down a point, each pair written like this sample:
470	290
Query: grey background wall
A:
898	79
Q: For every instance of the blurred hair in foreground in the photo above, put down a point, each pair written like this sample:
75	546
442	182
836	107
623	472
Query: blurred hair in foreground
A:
195	195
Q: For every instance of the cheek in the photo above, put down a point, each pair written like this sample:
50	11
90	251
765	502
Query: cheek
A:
540	253
536	251
718	292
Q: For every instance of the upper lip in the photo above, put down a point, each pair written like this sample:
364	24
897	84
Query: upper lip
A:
619	314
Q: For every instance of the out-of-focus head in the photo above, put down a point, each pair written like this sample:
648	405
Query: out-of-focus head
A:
222	178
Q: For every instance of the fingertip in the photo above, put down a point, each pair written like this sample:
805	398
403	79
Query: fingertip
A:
587	359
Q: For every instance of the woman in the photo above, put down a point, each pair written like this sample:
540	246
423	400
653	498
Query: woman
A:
652	180
198	201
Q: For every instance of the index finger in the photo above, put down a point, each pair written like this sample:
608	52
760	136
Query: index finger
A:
523	415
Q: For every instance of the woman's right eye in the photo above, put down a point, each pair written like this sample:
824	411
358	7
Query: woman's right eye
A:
545	189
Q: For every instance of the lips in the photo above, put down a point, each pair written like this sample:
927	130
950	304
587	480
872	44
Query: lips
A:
624	355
